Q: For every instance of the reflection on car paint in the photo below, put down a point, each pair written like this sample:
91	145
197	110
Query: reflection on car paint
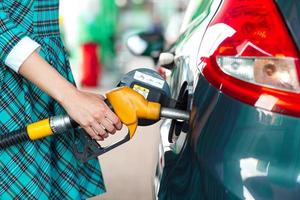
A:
268	118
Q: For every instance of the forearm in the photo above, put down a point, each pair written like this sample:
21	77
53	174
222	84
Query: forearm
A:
43	75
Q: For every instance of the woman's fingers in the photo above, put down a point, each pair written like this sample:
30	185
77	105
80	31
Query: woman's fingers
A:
113	119
106	123
102	129
93	133
98	129
108	126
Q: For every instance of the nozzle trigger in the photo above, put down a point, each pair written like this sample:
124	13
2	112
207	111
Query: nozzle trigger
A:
86	148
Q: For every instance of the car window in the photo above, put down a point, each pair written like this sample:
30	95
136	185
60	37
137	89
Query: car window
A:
290	9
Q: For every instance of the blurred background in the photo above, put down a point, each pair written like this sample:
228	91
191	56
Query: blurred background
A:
100	28
95	33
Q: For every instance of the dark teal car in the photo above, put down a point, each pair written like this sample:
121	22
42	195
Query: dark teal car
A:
236	68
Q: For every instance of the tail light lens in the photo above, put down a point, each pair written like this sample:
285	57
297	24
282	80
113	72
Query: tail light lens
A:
278	73
258	63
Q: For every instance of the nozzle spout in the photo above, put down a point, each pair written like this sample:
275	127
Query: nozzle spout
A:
172	113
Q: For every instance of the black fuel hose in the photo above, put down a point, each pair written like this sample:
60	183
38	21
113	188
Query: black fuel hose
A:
14	137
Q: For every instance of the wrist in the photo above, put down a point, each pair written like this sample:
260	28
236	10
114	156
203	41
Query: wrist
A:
65	94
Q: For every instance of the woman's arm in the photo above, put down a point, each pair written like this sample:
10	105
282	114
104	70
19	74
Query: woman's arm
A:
87	109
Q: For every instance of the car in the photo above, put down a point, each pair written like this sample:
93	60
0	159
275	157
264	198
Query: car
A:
236	69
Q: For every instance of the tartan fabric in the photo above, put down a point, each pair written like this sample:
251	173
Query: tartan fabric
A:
44	169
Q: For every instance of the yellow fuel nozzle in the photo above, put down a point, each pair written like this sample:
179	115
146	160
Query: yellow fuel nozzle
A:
130	106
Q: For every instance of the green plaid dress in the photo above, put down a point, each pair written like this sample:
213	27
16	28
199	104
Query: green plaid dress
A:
45	169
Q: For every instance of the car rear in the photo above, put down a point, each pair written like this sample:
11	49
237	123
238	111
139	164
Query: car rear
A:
244	133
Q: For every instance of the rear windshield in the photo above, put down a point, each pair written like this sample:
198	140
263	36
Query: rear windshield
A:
290	9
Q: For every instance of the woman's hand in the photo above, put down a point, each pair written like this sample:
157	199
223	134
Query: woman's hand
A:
92	114
87	109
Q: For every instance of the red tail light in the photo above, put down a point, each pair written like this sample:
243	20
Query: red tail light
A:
252	56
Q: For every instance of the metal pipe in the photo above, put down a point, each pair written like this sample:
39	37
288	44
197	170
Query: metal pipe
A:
172	113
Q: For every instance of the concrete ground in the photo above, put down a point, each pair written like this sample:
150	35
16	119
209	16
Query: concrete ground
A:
129	169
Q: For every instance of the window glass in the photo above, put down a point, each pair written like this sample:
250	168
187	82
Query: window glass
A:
290	9
196	9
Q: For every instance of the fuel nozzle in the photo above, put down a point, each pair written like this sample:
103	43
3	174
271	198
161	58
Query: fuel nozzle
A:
130	106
